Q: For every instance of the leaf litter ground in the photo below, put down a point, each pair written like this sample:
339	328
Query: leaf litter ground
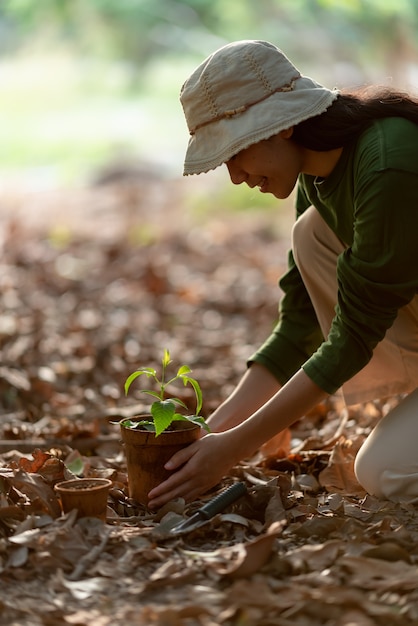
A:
97	282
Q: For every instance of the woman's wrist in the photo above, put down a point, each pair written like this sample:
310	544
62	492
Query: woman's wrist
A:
256	387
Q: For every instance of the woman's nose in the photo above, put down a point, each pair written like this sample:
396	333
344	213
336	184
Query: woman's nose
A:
236	174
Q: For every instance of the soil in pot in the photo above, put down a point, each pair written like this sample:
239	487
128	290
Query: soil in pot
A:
87	495
146	455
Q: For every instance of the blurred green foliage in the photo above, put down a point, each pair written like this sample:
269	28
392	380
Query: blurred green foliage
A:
87	81
139	30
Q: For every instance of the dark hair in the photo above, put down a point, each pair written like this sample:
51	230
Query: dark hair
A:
350	114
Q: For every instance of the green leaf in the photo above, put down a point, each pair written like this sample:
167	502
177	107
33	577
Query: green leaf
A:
163	413
76	466
197	390
179	402
134	424
198	419
146	425
152	393
148	371
194	419
184	369
178	417
166	358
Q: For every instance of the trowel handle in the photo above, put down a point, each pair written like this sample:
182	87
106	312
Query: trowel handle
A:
222	500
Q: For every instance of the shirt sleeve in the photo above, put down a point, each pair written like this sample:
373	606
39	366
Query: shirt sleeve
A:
377	275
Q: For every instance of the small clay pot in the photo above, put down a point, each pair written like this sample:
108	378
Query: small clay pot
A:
87	495
146	455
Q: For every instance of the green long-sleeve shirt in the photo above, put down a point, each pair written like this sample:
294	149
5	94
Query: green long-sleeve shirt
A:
370	200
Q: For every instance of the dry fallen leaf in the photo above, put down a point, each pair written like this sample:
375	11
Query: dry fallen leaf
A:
248	558
82	307
276	447
339	475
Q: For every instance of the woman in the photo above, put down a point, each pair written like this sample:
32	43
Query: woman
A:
349	314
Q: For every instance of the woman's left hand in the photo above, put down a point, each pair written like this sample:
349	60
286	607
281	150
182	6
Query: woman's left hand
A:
196	469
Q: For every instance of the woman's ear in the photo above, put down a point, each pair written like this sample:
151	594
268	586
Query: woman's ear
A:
286	133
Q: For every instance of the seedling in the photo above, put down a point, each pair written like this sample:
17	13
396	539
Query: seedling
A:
164	410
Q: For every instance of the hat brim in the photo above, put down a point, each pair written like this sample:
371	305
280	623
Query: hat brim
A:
217	142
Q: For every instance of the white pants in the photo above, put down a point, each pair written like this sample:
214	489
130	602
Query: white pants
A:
387	463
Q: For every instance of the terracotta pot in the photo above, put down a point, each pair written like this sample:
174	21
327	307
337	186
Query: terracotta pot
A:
146	455
87	495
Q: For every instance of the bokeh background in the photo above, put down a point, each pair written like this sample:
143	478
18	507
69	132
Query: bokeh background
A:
94	212
107	256
92	138
85	84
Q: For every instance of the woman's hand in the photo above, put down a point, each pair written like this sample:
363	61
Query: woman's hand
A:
196	469
201	465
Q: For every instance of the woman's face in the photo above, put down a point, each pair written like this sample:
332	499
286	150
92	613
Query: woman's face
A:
272	165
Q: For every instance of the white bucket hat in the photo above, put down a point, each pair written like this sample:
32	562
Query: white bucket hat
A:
243	93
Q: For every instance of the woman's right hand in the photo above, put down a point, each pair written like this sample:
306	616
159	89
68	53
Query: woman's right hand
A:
197	468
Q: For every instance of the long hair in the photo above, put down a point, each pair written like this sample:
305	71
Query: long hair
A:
350	114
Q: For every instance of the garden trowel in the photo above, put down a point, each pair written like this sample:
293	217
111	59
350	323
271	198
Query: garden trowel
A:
211	508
